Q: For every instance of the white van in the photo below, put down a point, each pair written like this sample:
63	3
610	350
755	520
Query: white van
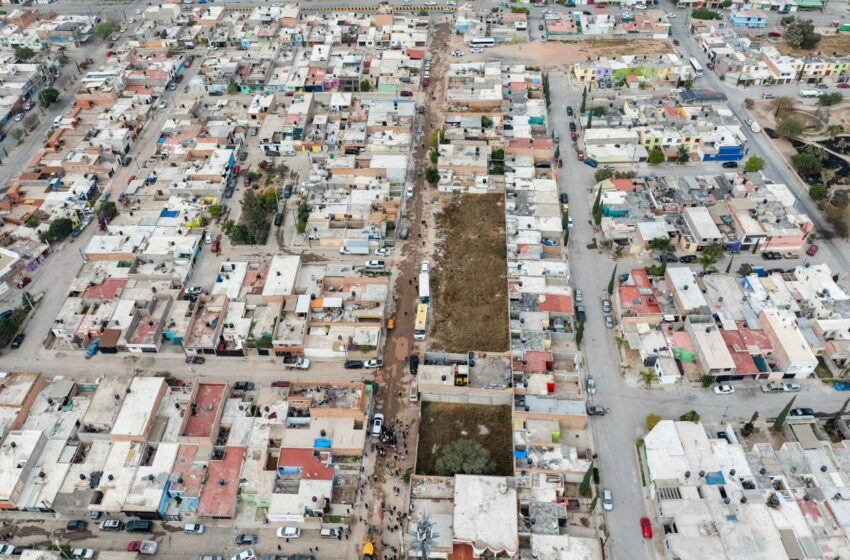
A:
414	393
288	532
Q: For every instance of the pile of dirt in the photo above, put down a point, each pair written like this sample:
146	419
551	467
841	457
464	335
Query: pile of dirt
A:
469	282
443	423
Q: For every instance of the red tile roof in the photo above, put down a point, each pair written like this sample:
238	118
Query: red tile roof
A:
555	303
186	475
105	291
535	360
207	400
306	462
218	496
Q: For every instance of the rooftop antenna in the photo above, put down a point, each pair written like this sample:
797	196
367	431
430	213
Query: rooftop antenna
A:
423	536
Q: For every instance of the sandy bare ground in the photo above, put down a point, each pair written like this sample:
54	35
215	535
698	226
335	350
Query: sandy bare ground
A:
554	54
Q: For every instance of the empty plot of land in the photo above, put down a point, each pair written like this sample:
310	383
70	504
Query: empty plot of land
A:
443	423
556	53
828	44
469	283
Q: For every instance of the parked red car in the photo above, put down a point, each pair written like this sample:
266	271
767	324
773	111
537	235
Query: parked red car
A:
134	546
236	169
843	85
774	34
812	250
645	527
580	155
26	280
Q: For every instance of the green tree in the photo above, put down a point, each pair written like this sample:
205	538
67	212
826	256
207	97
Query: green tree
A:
304	210
589	120
656	156
105	29
24	53
827	99
432	175
32	221
780	420
434	138
464	456
486	122
789	127
800	34
435	157
216	210
647	376
365	85
704	13
584	488
597	204
690	416
661	244
602	174
753	164
652	420
583	100
59	229
579	333
682	154
834	130
817	192
108	210
710	255
706	381
611	280
806	163
48	96
232	87
833	421
748	428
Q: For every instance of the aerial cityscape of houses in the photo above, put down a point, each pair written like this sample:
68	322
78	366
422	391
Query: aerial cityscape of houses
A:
562	281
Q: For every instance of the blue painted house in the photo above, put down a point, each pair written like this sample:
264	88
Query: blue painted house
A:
752	18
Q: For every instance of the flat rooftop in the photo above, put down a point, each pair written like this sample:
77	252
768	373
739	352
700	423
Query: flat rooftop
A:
203	410
218	495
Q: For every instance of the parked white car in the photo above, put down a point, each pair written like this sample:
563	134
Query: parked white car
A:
194	528
724	390
607	500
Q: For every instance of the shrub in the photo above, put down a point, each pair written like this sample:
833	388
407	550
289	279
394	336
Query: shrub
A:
690	416
652	420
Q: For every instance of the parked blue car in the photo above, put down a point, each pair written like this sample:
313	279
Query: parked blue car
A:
92	349
841	385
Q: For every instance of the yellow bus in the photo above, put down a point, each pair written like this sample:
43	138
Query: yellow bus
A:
421	322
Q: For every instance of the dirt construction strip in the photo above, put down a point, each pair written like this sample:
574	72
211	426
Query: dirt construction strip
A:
469	286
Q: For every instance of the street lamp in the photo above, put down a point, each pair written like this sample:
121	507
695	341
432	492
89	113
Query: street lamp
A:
344	347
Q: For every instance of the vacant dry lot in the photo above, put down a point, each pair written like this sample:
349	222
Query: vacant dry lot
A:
443	423
546	55
469	283
828	44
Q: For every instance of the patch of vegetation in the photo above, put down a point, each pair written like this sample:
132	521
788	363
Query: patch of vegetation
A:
11	324
304	210
59	229
800	34
464	456
753	164
652	420
704	13
254	222
789	127
48	96
105	29
690	416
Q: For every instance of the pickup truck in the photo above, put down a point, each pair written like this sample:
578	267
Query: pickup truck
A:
772	387
300	363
